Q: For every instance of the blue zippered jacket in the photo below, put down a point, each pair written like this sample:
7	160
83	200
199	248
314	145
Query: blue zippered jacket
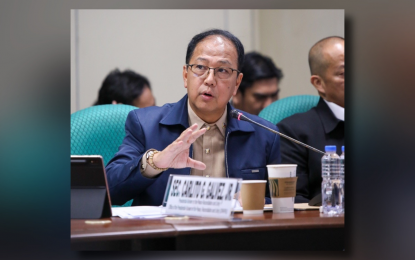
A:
248	149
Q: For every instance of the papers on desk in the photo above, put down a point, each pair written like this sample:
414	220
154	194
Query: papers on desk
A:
239	209
139	212
147	212
268	207
305	206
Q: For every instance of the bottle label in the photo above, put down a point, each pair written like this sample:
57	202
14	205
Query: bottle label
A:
283	187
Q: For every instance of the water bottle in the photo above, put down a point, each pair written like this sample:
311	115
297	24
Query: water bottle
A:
342	181
330	172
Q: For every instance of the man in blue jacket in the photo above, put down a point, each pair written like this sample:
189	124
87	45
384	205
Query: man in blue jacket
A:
197	135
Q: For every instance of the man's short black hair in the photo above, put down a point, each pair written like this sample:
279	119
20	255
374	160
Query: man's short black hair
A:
199	37
123	87
255	67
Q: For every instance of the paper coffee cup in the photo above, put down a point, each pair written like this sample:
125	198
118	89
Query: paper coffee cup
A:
282	186
253	196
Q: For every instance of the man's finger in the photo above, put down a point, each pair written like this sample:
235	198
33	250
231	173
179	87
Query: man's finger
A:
193	134
193	127
195	164
186	132
196	135
187	136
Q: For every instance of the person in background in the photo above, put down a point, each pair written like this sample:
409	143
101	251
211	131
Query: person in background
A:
260	84
127	87
197	135
320	126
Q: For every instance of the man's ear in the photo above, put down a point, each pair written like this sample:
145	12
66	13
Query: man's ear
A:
318	83
238	82
185	75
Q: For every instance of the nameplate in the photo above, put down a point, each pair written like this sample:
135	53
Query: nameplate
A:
200	196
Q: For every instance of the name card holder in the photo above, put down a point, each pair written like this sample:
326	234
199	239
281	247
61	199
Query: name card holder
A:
200	196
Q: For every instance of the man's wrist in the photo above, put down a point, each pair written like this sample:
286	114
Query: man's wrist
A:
150	160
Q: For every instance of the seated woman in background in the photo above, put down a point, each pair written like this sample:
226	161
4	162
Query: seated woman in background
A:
127	88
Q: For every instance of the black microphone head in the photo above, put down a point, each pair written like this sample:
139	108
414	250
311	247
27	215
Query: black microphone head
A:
238	115
234	113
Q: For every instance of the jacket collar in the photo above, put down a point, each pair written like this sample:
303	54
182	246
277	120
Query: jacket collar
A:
329	120
178	115
234	124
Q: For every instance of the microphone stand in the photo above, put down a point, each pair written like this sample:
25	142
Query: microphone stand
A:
241	116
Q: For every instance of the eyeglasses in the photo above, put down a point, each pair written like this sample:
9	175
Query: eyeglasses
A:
262	97
220	72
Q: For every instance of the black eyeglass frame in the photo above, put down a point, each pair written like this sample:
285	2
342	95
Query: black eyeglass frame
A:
209	68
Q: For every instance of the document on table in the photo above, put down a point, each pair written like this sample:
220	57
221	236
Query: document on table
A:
147	212
238	208
268	207
305	206
139	212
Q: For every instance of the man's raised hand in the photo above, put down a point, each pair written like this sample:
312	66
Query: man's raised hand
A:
176	155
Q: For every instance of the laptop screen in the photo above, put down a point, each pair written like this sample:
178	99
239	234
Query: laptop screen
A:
87	172
89	191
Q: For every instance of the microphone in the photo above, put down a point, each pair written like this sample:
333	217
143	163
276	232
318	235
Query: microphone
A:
240	116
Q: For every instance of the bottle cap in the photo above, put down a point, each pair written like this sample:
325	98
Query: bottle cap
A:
330	148
342	148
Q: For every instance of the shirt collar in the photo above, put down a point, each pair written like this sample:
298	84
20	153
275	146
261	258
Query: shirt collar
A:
193	118
337	110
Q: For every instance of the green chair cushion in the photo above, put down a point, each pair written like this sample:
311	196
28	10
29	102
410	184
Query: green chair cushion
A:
288	106
99	130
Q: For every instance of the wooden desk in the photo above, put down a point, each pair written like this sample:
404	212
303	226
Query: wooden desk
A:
301	230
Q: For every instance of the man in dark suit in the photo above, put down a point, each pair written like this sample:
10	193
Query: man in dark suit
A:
320	126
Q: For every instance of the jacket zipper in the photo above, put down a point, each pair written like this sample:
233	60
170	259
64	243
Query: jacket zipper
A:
191	149
226	154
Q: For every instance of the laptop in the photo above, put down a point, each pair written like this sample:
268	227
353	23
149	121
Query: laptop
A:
89	188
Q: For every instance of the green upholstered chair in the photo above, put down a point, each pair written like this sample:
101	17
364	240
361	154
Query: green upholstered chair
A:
99	130
288	106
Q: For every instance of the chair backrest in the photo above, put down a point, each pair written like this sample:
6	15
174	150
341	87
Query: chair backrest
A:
99	130
288	106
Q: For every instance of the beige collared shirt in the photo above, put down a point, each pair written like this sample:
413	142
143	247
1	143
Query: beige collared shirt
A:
208	148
